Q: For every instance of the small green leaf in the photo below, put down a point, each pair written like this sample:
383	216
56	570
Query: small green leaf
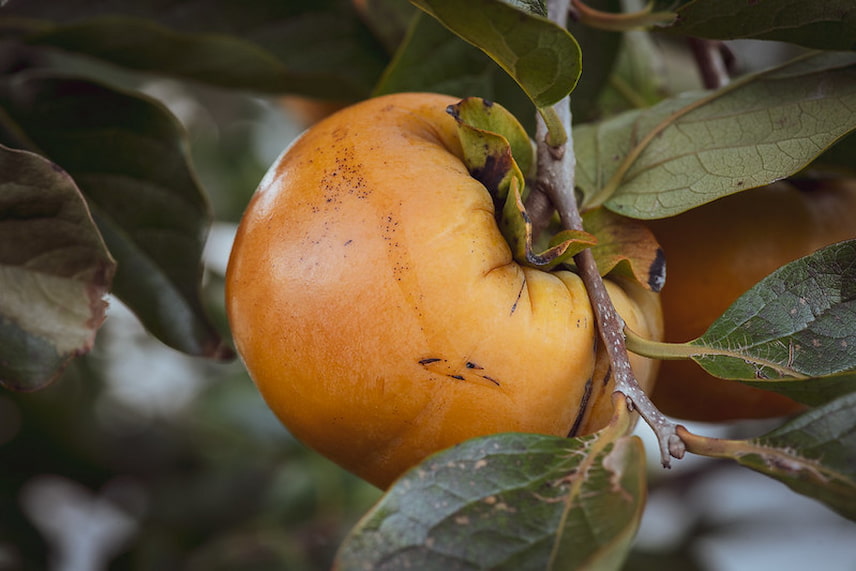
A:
54	271
318	48
496	141
830	24
516	227
796	325
814	454
510	501
127	155
692	149
541	56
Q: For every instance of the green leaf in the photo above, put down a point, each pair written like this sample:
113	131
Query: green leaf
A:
127	154
433	59
541	56
511	501
796	325
498	145
692	149
54	271
602	50
814	454
830	24
318	48
638	78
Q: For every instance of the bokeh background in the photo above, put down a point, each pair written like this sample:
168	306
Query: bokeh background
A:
142	458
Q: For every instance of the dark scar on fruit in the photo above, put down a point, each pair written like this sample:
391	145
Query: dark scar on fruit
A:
519	294
607	376
657	271
457	376
581	412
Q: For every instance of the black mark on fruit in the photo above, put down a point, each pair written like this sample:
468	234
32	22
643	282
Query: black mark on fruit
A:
607	376
442	366
657	271
581	412
519	294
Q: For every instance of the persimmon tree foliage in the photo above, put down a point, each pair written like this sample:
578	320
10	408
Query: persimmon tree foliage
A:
98	196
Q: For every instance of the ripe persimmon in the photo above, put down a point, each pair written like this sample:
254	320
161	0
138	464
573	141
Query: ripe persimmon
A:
377	306
715	253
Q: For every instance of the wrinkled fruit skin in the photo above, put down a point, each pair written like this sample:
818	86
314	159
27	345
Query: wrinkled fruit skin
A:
714	254
378	310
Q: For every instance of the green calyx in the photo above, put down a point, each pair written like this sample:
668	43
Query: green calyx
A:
499	154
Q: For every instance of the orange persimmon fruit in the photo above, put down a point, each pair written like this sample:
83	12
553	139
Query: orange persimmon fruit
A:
378	309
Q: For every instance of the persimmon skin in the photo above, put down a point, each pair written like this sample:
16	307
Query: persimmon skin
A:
376	305
715	253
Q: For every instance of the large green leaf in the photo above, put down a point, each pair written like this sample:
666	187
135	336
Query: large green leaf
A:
541	56
510	501
54	271
813	454
830	24
692	149
127	154
310	47
797	326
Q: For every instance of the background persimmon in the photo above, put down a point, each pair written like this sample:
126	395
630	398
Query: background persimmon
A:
379	311
715	253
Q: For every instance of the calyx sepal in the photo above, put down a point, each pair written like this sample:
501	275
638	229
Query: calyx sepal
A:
499	154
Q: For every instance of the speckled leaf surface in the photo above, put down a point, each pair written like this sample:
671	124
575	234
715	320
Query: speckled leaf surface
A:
510	501
795	331
690	150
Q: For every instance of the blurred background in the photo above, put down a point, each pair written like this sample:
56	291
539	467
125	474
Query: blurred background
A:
142	458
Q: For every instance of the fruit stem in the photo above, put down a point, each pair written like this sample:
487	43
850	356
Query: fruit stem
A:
716	447
660	349
555	177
